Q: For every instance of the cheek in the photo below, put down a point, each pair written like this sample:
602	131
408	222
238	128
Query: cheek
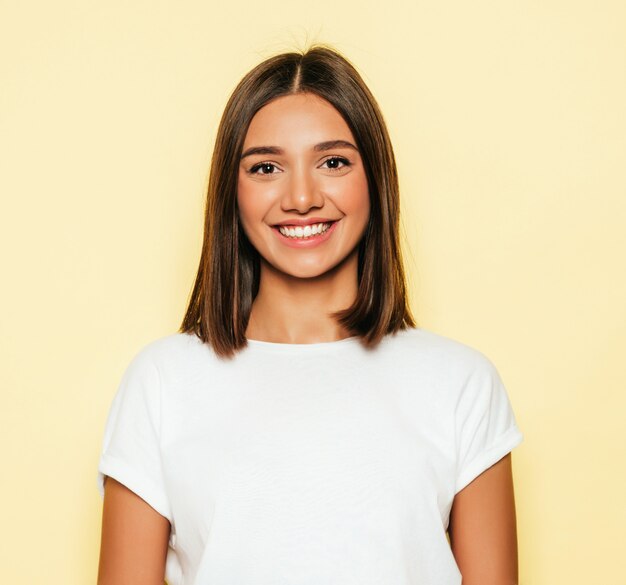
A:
353	197
248	202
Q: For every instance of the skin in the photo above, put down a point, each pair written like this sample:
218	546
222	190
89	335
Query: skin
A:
298	288
482	528
134	539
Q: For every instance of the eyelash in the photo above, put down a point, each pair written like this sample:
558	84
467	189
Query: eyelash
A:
345	162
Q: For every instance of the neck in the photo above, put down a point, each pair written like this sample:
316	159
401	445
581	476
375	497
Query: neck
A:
288	309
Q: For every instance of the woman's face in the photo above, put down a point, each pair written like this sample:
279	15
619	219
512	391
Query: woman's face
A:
300	168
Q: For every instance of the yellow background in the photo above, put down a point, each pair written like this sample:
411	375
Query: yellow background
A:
509	125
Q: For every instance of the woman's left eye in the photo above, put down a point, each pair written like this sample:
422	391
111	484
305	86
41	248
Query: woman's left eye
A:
336	162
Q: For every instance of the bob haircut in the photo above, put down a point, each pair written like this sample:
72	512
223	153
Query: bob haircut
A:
228	275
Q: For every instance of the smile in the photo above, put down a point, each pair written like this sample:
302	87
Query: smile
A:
298	236
303	231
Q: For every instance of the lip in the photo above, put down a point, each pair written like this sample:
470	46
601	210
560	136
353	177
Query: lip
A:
306	242
305	221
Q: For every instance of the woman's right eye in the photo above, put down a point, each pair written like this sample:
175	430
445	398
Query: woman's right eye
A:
265	168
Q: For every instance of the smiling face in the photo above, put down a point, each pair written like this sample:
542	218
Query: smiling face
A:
302	189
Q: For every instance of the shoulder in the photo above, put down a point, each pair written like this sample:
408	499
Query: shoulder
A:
170	347
170	355
438	351
452	369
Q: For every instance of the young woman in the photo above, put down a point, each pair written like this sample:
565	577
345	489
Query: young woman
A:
300	429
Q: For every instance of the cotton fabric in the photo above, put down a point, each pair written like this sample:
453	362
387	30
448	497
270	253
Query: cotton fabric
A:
302	464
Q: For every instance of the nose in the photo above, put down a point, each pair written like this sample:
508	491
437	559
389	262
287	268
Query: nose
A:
302	192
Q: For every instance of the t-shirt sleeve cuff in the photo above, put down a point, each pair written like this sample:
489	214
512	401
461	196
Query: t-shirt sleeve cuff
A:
501	446
135	482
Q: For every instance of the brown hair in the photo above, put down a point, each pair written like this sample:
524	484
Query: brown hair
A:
228	275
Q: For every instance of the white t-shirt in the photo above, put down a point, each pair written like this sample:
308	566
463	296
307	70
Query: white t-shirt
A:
307	464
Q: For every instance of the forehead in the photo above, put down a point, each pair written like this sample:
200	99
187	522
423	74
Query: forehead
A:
298	120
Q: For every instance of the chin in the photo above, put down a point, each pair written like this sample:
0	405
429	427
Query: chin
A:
303	271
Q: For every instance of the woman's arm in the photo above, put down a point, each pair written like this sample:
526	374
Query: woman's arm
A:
134	539
482	528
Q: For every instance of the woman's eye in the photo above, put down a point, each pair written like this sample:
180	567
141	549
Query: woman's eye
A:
265	168
336	163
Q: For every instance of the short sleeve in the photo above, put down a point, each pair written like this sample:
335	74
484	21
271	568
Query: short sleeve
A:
486	428
131	451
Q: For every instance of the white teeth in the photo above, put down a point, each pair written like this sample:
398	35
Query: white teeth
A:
303	232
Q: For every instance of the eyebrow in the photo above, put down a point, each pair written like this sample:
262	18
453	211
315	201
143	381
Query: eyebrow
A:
328	145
